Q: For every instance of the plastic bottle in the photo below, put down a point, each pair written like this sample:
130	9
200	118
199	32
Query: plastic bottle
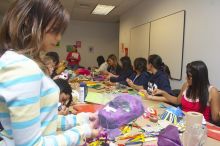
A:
83	92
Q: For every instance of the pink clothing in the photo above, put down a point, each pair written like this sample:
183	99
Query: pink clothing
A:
191	105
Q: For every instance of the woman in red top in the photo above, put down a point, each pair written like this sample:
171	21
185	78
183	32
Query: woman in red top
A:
196	94
73	58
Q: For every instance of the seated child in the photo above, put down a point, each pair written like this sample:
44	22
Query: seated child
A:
65	99
49	65
126	70
55	61
140	77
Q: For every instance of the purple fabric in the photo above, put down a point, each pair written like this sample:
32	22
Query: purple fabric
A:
120	111
99	78
113	133
169	137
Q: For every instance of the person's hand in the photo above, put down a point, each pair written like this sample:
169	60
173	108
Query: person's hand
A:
107	77
104	72
94	123
94	120
56	77
74	110
64	111
145	94
72	57
110	75
129	81
158	92
96	132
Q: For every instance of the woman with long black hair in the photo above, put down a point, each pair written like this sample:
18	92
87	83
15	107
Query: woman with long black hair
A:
160	74
196	94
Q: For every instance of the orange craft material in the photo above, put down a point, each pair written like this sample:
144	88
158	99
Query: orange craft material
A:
213	132
87	107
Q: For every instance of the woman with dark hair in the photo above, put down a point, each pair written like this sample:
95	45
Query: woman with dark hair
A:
100	60
102	64
196	94
113	66
28	97
126	70
159	78
140	77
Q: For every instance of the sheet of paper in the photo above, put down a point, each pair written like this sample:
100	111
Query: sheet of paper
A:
98	98
75	55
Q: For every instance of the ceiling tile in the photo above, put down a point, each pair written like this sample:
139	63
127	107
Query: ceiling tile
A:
81	9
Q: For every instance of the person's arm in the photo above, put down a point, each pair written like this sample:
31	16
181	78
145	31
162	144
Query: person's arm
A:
28	111
215	104
134	86
69	121
122	77
27	125
69	56
152	97
112	75
79	58
166	97
115	78
171	98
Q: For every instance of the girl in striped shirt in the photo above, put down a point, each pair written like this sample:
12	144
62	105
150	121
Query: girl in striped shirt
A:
28	97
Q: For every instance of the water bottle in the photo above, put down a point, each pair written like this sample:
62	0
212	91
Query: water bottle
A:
83	92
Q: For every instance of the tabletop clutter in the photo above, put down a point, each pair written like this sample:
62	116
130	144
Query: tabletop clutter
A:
121	110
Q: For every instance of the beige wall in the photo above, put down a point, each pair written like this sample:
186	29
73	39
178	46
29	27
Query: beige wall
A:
103	37
202	31
1	17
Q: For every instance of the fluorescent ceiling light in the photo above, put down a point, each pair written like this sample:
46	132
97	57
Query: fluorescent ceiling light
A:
102	9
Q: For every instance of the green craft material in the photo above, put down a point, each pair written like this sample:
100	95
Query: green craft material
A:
97	98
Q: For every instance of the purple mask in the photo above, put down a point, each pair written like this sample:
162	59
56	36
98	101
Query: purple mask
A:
120	111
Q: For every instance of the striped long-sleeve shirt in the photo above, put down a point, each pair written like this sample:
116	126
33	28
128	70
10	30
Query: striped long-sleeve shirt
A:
28	107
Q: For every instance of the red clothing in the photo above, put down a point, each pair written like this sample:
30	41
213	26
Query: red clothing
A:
73	58
191	105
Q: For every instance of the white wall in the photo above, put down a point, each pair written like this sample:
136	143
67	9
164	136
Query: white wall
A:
103	37
202	30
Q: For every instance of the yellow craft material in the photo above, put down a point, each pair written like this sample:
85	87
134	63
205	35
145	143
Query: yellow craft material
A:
141	94
61	67
90	83
140	138
126	129
95	143
124	137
